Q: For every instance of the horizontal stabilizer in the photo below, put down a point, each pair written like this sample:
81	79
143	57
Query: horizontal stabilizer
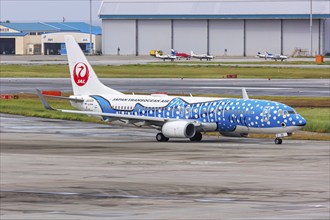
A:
64	98
43	100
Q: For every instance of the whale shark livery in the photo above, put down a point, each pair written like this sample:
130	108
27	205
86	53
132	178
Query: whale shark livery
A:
174	116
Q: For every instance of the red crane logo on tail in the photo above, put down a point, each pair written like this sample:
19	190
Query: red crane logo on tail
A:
80	74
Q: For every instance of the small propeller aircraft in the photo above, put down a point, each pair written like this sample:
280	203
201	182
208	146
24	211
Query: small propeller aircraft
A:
201	56
272	56
165	56
180	55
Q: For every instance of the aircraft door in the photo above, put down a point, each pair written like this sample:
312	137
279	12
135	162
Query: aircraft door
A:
188	111
266	114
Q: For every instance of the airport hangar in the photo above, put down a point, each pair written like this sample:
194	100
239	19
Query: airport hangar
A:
218	27
46	38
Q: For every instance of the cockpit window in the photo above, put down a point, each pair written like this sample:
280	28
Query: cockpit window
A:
291	112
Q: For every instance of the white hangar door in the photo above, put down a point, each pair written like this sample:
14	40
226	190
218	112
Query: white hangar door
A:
325	46
118	34
263	36
190	35
296	34
226	37
154	35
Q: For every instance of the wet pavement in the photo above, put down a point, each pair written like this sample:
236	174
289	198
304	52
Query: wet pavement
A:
55	169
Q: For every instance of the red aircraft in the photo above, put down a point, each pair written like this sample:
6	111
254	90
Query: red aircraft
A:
180	55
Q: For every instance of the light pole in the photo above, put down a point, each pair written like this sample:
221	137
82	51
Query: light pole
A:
90	28
311	26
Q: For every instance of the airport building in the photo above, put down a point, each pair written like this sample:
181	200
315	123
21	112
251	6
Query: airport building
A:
218	27
46	38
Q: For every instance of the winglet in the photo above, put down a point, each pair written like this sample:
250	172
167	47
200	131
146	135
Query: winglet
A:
244	94
43	101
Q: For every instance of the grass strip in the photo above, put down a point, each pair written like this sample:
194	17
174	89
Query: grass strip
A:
165	71
29	105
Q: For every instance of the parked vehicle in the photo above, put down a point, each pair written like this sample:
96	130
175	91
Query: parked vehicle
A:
153	52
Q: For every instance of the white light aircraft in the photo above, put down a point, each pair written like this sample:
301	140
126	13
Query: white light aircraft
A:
166	56
272	56
175	117
201	56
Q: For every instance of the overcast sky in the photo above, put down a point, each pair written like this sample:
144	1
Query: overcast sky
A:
49	10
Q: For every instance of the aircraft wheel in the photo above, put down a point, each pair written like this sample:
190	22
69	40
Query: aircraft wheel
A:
278	141
197	137
161	138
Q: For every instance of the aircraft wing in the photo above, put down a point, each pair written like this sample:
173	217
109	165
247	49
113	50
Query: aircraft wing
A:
115	116
132	119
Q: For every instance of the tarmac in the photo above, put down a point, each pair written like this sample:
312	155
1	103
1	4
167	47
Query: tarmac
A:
55	169
223	87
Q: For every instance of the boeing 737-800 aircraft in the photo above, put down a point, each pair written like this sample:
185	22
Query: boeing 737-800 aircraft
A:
174	117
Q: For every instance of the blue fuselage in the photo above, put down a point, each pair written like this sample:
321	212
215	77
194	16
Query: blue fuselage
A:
227	114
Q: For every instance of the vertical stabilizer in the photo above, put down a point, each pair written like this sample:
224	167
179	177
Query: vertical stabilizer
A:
83	78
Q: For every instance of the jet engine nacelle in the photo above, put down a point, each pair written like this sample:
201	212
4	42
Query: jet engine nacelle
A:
234	134
178	129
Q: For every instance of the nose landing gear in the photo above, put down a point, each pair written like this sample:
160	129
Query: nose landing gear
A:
278	139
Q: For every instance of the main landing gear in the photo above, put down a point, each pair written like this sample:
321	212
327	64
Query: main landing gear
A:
278	140
197	137
161	138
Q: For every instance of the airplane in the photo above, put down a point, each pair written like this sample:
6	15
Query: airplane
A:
201	56
272	56
165	56
180	55
173	116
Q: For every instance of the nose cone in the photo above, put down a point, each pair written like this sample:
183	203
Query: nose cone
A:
301	122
